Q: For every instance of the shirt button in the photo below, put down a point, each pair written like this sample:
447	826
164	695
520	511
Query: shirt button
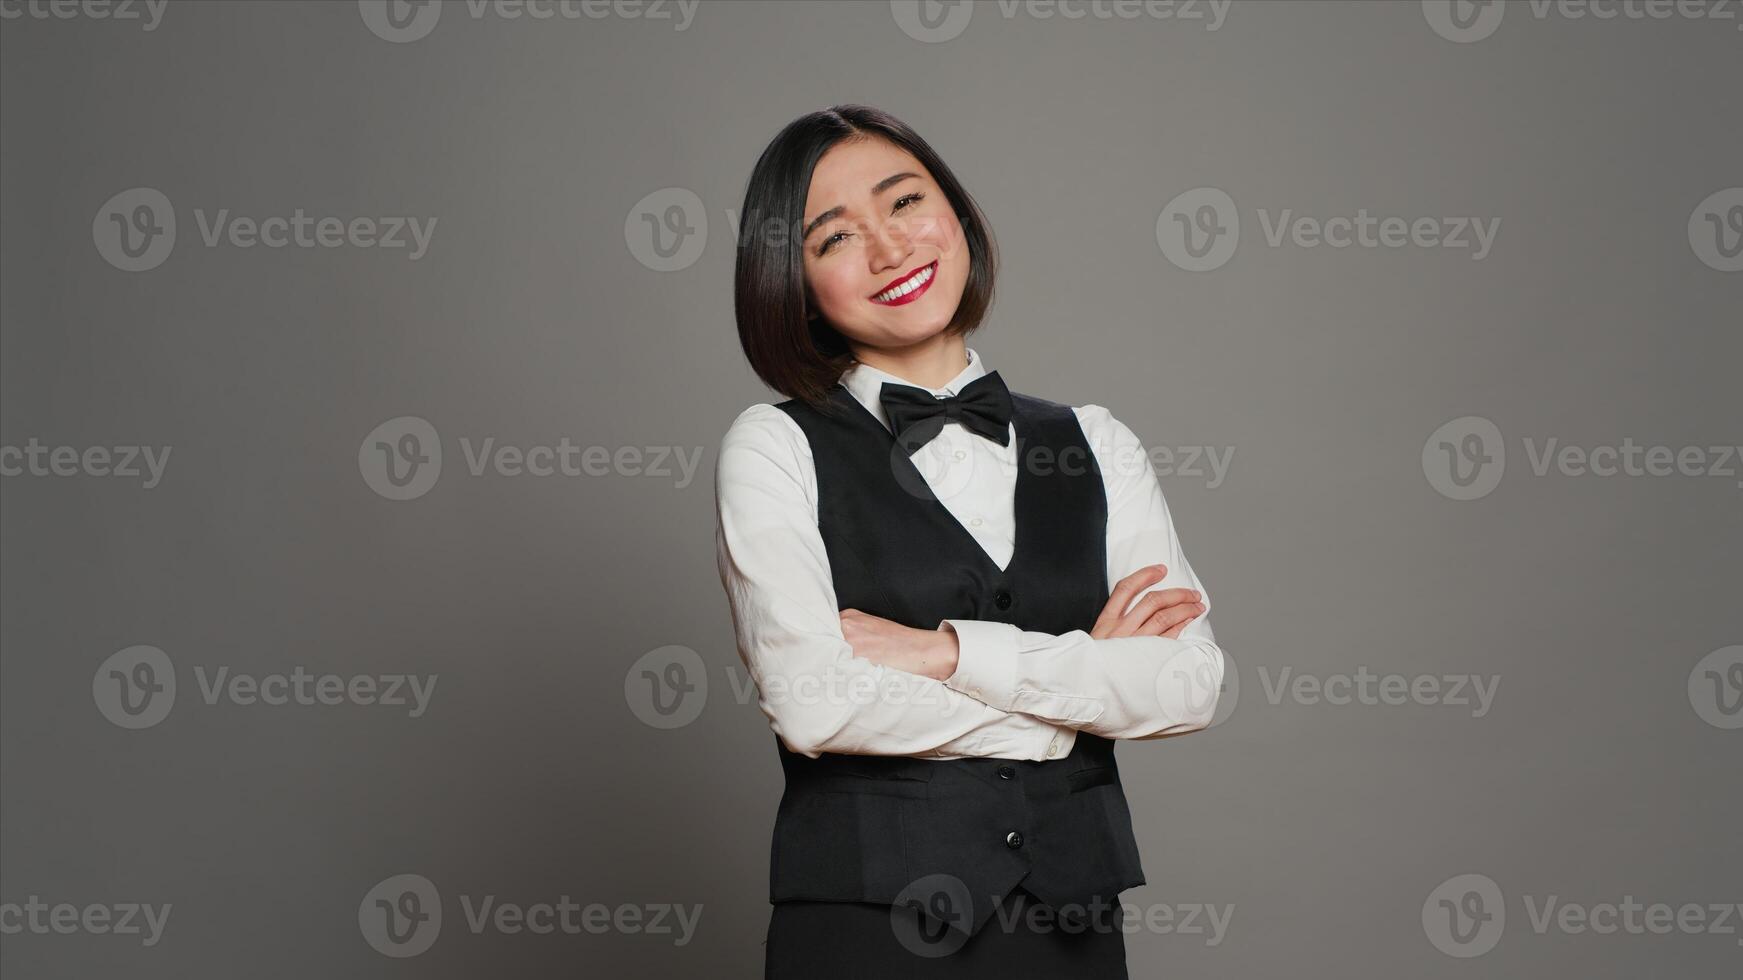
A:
975	522
1002	599
1013	839
1006	772
1052	748
961	455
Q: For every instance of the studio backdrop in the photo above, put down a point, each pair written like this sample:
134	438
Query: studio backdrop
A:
363	367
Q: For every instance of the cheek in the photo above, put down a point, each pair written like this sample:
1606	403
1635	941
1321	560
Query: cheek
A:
834	285
943	233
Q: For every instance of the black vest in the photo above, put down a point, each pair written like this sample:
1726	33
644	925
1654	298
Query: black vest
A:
865	828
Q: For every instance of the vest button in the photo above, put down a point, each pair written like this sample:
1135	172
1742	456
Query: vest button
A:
1013	839
1002	599
1006	772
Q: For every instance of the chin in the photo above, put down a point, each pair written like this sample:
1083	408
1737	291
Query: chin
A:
913	329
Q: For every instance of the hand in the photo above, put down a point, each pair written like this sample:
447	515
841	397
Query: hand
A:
929	653
1162	613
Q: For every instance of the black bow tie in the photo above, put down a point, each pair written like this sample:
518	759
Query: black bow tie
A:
983	406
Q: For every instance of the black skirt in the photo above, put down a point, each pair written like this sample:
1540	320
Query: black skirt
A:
866	941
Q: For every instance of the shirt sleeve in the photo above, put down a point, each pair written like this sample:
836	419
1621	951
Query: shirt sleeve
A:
817	695
1128	687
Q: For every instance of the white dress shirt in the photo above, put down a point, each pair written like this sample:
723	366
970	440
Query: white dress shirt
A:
1016	694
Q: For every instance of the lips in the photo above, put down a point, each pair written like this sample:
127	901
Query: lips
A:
908	288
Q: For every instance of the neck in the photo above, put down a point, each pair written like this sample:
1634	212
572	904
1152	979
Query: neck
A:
928	364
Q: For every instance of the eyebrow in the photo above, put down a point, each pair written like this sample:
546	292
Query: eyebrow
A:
836	211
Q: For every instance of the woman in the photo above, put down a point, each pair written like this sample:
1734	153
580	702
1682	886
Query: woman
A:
918	564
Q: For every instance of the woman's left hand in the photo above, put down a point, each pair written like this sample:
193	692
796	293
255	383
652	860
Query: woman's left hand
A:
929	653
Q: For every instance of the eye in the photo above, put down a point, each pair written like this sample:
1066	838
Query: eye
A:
824	245
902	203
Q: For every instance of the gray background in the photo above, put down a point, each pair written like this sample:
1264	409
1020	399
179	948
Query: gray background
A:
530	319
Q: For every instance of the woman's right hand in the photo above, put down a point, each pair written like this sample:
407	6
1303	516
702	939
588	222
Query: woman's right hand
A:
1164	612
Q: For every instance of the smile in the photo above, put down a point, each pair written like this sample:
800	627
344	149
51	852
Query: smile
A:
909	288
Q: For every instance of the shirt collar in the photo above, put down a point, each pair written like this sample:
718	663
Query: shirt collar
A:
865	383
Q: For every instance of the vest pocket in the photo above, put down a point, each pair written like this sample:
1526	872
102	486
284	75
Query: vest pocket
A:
1083	779
907	787
843	846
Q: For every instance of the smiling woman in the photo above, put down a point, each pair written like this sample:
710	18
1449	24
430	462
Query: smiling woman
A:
932	633
875	208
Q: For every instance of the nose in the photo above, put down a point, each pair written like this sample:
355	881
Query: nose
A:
890	246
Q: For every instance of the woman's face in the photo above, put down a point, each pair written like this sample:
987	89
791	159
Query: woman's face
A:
887	264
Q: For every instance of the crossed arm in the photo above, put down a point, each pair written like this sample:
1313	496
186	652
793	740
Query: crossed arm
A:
970	687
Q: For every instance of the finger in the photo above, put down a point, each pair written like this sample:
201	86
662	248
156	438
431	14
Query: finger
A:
1176	617
1122	594
1163	598
1132	624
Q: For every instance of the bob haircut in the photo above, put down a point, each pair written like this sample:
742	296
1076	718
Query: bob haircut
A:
795	352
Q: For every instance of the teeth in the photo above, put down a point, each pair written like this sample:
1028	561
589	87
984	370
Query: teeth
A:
912	283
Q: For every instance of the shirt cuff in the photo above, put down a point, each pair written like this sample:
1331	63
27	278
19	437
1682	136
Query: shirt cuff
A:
986	664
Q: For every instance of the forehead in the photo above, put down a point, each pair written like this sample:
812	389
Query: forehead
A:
847	171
